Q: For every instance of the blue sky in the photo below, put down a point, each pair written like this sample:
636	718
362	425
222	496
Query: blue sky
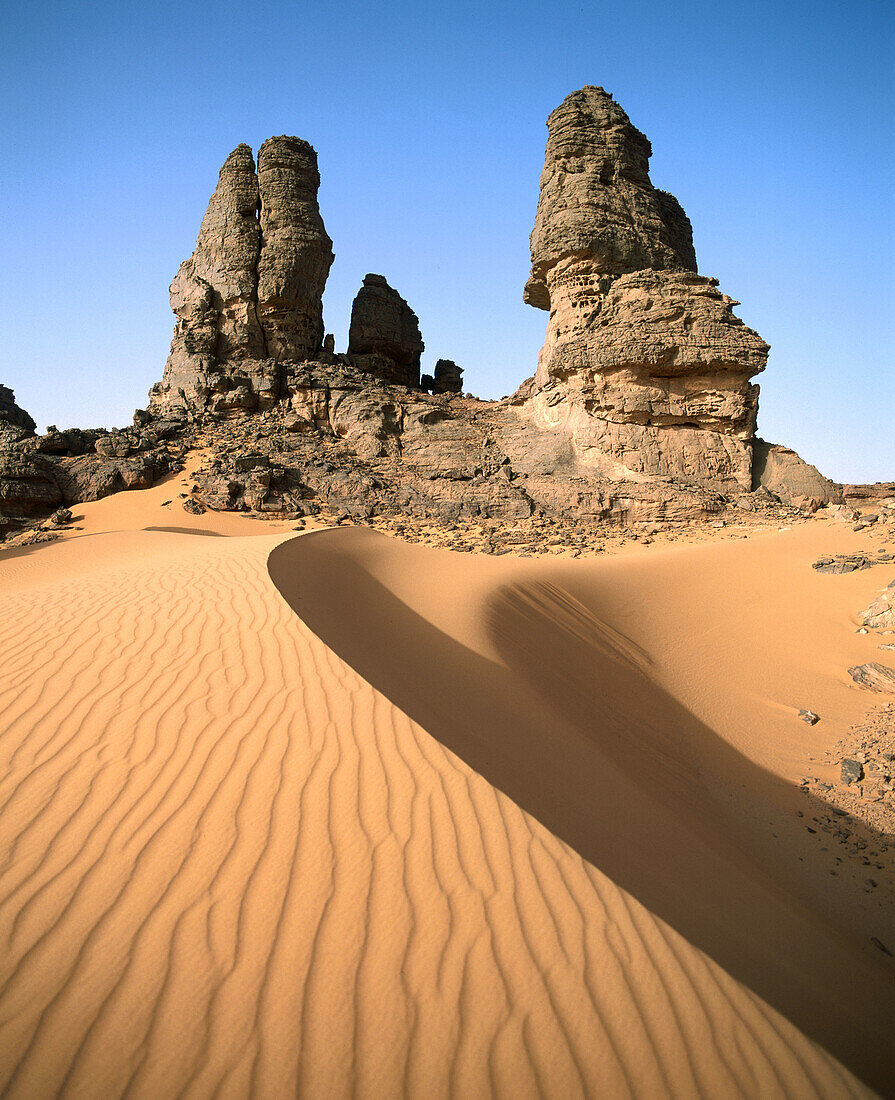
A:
771	122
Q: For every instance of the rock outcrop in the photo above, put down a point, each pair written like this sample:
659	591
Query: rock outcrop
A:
644	364
250	296
384	337
448	377
881	613
790	478
15	423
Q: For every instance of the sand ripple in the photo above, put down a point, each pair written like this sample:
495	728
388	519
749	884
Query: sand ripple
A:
229	867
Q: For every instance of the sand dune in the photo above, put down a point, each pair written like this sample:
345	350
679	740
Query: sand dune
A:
229	866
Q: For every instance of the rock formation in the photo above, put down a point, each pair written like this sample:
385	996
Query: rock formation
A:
644	364
789	477
384	338
642	410
15	423
448	377
250	296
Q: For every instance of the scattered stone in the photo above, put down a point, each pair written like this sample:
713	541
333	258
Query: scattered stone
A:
851	772
194	507
843	564
809	716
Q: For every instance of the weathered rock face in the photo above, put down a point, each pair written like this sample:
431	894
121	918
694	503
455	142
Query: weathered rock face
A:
15	423
597	202
384	337
28	485
296	252
644	364
250	295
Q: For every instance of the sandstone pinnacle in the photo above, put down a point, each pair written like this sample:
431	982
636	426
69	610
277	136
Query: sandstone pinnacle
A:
250	296
644	364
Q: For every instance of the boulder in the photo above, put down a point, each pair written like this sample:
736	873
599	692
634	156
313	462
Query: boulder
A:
881	613
782	472
28	485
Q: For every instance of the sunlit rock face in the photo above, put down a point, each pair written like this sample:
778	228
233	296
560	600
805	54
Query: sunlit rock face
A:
644	363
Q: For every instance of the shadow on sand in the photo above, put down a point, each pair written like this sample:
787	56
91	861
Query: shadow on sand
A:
569	723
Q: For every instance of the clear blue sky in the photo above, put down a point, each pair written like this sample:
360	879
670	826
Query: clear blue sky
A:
771	122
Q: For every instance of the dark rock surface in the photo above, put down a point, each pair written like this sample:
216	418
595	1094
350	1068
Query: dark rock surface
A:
448	377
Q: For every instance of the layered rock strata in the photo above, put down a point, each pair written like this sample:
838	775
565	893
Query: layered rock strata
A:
644	364
384	337
250	296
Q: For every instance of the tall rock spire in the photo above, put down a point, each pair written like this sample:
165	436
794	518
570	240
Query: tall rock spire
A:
250	296
296	252
597	202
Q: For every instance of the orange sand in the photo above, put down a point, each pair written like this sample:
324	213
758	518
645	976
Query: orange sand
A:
231	865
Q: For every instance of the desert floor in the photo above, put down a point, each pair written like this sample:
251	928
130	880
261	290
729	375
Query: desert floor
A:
335	815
